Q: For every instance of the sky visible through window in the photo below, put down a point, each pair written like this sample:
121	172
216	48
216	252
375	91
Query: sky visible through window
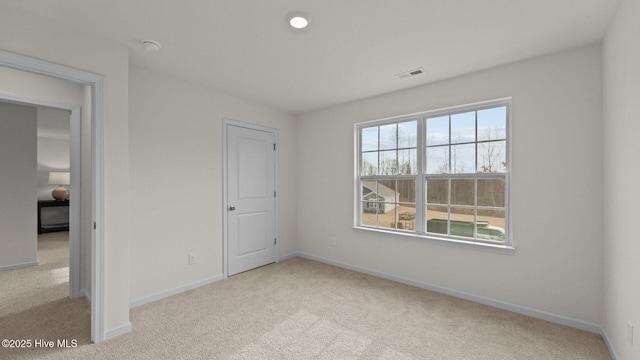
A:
454	144
451	142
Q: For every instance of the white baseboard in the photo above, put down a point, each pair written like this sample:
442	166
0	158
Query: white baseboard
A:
612	352
86	295
174	291
117	331
18	266
535	313
287	257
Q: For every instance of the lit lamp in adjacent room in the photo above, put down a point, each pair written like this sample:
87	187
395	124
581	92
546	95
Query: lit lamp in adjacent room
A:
59	178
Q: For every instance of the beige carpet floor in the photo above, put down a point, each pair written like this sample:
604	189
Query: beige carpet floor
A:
26	288
301	309
35	303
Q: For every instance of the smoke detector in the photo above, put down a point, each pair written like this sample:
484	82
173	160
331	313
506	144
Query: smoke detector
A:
410	73
151	45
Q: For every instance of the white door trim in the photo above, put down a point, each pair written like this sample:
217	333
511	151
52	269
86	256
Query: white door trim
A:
96	82
74	188
225	202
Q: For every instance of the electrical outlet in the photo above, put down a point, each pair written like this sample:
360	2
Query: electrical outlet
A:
630	332
192	259
334	241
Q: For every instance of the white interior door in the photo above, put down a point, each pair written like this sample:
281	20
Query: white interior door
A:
251	221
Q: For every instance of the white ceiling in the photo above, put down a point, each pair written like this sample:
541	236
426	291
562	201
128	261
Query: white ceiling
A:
352	49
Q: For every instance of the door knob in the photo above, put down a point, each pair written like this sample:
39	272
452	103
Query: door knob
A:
231	208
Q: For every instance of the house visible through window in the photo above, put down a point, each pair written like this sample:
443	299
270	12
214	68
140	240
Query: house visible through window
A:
441	174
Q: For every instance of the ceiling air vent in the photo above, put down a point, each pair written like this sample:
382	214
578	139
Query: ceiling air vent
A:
414	72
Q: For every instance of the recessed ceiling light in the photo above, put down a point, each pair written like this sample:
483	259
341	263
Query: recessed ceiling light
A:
298	19
151	45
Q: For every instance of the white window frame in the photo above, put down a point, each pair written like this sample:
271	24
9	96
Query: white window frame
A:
421	177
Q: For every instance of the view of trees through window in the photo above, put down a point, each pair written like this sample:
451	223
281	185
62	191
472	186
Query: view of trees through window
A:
438	173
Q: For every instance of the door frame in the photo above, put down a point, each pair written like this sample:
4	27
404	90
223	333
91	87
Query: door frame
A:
96	82
225	201
74	187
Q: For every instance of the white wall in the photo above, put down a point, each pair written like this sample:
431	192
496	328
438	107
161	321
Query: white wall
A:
18	215
34	36
621	57
556	185
51	151
53	147
176	179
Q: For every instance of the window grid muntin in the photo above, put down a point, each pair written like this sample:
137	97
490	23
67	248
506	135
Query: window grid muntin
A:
475	207
421	203
382	178
397	149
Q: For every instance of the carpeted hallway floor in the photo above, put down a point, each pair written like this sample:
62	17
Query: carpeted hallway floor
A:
301	309
35	303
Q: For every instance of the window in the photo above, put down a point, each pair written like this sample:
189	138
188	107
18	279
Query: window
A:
440	174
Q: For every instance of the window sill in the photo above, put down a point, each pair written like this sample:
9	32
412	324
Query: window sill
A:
494	248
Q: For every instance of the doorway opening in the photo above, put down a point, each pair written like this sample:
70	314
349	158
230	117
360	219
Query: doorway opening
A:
95	92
